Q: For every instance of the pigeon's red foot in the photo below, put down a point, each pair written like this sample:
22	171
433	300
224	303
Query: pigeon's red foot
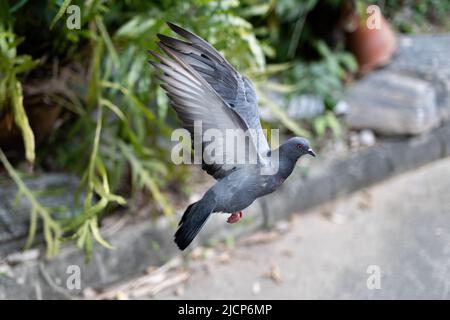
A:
235	217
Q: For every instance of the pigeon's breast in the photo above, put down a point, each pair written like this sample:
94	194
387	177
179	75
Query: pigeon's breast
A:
238	190
270	184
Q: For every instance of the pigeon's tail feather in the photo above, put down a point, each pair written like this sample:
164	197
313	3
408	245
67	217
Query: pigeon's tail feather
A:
193	220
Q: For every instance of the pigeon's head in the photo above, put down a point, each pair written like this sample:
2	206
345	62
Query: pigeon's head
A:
298	147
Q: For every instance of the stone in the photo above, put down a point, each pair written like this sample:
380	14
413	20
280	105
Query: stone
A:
411	95
22	256
305	106
367	138
298	107
15	212
391	103
427	56
341	108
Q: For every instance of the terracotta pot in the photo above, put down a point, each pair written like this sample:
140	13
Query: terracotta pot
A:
372	47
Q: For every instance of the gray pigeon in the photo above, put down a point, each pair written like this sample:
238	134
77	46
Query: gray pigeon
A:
202	85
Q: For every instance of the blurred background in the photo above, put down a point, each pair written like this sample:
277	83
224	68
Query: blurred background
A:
85	171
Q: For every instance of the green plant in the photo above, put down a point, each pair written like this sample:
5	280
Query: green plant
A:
300	32
52	230
12	65
115	114
324	77
327	121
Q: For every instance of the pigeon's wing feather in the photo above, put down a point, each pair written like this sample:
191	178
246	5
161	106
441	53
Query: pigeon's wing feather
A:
236	90
193	99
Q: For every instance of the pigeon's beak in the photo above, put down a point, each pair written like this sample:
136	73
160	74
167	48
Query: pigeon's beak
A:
311	152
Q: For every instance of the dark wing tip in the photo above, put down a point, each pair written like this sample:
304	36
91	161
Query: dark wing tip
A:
173	26
153	63
162	37
183	32
169	41
166	48
161	44
154	54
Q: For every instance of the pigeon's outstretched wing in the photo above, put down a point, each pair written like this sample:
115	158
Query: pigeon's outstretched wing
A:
236	90
193	99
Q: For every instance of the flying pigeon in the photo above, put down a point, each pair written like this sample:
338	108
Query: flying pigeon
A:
202	86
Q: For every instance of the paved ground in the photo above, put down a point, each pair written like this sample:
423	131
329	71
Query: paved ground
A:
400	226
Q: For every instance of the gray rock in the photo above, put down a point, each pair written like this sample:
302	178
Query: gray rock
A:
427	56
341	108
305	106
367	138
411	95
391	103
423	54
53	190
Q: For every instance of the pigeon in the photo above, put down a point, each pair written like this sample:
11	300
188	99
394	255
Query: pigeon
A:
202	86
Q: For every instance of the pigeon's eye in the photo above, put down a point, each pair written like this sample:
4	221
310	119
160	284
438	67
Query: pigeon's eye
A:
299	146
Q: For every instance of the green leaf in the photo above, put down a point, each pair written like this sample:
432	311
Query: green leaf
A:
106	38
334	124
97	236
320	126
32	228
349	62
113	108
256	50
93	90
163	102
136	27
25	65
147	112
60	12
146	180
21	120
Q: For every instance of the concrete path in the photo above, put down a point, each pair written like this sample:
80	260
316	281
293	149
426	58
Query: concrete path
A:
399	227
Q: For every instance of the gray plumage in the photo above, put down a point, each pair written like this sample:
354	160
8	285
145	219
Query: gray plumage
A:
202	85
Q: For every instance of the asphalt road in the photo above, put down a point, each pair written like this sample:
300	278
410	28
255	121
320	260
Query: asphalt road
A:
391	241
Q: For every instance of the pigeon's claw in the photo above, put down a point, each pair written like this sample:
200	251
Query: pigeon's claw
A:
235	217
